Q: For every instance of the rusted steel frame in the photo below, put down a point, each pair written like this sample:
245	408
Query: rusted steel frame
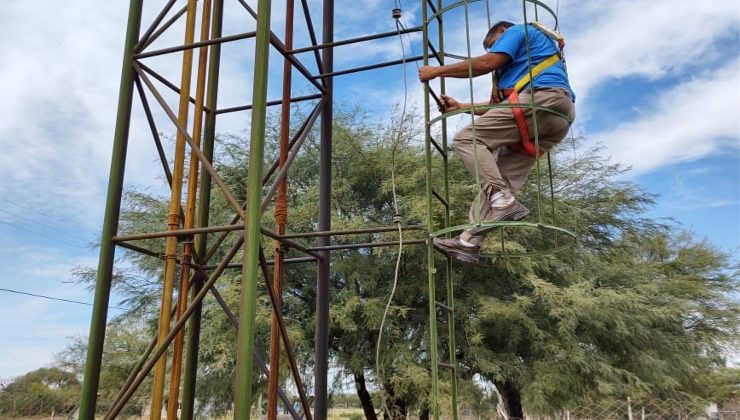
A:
162	346
156	23
298	260
295	245
173	218
153	128
187	251
299	138
280	47
198	44
353	231
281	215
312	34
145	42
284	334
355	40
269	103
370	67
181	232
201	157
366	245
257	357
289	161
161	78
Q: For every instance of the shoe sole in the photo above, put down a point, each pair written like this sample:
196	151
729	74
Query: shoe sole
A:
517	214
453	252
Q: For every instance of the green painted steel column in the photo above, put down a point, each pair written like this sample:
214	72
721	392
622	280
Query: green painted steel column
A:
434	398
110	225
250	272
204	204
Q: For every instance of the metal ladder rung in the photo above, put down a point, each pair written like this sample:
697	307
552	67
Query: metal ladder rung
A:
446	365
435	53
443	306
439	148
441	199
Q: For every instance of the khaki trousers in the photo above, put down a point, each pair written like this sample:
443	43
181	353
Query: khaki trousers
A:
499	167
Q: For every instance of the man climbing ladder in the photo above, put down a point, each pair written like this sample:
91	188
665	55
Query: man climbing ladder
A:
498	146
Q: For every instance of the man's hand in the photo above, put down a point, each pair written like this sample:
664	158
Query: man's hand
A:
427	73
450	104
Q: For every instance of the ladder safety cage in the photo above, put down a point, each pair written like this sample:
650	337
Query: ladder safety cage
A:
545	237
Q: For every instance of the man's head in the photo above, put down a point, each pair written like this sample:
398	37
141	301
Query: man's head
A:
495	33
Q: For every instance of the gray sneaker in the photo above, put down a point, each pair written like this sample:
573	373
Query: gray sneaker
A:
452	247
514	211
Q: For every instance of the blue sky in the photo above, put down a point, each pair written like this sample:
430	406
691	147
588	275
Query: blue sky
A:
658	86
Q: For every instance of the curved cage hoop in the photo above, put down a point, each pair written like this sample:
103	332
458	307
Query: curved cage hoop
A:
518	239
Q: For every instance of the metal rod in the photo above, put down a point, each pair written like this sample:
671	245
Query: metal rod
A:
286	339
201	157
162	347
312	34
204	204
173	218
308	124
434	397
155	133
275	42
321	349
269	103
173	399
370	67
281	215
288	163
194	45
161	78
104	275
366	245
353	231
247	308
257	358
154	24
141	250
149	38
355	40
299	260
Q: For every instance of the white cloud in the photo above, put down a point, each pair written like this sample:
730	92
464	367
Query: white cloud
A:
692	120
647	39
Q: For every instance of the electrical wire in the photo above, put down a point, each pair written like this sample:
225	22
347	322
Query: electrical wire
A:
2	289
396	216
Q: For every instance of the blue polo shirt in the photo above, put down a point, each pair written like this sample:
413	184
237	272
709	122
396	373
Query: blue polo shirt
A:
513	43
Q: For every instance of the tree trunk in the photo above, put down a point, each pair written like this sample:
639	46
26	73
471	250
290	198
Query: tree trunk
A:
511	399
396	405
365	398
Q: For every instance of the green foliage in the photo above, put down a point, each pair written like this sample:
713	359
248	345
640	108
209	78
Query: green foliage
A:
633	309
45	390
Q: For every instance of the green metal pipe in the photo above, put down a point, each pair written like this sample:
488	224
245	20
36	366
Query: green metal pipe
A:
110	225
204	204
250	273
434	398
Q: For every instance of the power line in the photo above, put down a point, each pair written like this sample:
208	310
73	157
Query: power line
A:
42	224
46	215
41	234
56	298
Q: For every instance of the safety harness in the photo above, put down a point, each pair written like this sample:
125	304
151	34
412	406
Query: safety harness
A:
512	94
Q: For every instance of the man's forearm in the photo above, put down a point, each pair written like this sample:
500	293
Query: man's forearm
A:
462	69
